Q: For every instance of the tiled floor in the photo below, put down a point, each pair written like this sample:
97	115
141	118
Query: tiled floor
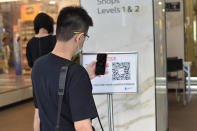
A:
20	117
182	118
17	118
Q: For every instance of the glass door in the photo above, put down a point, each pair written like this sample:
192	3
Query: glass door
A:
191	34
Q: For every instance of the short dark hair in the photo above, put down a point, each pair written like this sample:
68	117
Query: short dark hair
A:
42	20
72	19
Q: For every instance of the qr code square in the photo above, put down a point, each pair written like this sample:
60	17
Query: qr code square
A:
121	71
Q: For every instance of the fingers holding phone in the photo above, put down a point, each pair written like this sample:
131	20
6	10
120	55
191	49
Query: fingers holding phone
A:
91	70
97	68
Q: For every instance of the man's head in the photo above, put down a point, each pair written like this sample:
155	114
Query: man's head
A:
72	22
43	20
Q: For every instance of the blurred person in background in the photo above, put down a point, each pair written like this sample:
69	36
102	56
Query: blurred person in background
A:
42	43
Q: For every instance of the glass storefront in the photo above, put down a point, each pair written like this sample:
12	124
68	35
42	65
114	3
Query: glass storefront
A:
191	34
16	29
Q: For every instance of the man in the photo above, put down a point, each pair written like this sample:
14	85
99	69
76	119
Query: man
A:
41	44
78	107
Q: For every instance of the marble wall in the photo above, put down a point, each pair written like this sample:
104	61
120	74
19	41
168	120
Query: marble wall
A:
120	33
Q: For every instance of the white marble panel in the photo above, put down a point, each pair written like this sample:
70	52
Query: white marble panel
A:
123	33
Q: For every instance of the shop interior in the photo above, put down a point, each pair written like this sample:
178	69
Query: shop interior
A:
16	29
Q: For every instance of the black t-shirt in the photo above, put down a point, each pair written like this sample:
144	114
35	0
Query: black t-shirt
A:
78	103
39	46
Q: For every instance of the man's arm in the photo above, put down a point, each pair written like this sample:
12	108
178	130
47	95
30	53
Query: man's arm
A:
83	125
80	97
36	120
29	56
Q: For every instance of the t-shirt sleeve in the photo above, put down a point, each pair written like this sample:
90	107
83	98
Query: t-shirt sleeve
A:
35	100
33	88
81	101
29	55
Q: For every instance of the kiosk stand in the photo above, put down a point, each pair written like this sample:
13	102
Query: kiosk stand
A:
110	112
121	77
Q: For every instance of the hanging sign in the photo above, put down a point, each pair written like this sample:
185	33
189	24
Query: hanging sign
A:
29	12
172	6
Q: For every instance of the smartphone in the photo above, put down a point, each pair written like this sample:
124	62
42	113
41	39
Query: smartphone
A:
101	64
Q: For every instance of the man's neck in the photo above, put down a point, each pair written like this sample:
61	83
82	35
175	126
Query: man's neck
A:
42	33
63	50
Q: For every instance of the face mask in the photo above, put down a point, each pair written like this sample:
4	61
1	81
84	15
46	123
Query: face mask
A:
78	52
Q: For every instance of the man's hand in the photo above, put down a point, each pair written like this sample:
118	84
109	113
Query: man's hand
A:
36	120
91	70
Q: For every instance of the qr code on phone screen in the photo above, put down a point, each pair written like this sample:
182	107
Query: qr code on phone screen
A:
121	71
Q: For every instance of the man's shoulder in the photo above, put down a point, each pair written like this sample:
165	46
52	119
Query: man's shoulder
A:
78	68
52	37
41	61
30	42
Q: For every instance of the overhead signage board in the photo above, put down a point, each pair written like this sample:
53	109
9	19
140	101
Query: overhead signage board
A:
172	6
29	11
121	73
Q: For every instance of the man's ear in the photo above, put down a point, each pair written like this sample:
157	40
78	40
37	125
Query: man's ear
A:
78	37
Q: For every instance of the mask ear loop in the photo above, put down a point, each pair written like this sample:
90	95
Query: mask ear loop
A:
78	46
78	50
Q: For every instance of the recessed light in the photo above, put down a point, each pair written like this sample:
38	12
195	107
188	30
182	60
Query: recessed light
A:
52	2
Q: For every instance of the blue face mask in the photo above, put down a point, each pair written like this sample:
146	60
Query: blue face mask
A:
78	52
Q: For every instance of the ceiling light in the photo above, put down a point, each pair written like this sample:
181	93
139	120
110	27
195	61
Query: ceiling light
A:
8	0
160	3
52	2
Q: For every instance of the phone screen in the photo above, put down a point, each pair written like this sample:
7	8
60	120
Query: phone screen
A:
101	64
